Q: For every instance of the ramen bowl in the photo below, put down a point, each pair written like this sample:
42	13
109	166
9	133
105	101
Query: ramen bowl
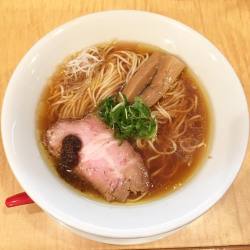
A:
107	222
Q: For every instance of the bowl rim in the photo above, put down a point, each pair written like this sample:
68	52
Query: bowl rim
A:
131	233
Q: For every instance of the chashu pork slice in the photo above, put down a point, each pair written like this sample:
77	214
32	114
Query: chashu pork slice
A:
113	168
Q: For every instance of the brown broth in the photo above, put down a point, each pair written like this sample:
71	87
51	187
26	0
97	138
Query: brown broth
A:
179	167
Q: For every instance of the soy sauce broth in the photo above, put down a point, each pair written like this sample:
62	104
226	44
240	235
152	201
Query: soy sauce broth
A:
179	167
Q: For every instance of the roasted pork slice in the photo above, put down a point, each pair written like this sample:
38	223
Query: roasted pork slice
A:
112	167
142	77
169	69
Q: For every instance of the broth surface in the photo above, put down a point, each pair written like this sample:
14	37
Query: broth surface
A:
179	166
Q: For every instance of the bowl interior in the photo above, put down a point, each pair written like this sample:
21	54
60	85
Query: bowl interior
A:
169	213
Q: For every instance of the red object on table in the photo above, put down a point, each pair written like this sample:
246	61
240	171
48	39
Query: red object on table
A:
18	200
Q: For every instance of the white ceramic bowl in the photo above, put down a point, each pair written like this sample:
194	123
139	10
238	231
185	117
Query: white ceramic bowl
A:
107	222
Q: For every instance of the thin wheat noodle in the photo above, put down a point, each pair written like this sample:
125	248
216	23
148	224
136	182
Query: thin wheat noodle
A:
96	73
